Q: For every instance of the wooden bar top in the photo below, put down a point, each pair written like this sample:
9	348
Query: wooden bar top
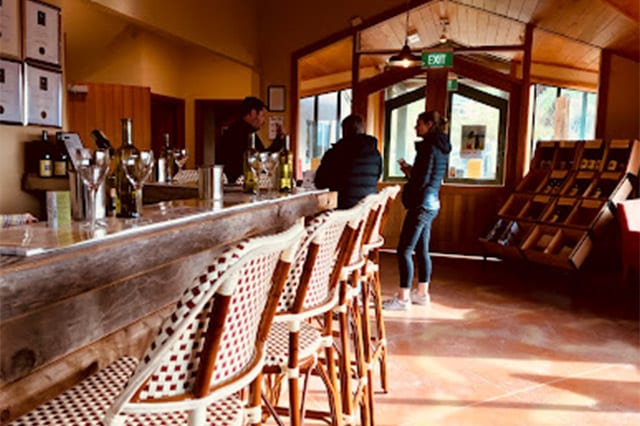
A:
56	307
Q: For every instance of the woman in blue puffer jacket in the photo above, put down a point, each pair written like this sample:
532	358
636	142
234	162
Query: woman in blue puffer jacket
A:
420	198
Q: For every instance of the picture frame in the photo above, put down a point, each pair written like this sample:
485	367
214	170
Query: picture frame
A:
41	32
276	98
10	29
11	92
43	95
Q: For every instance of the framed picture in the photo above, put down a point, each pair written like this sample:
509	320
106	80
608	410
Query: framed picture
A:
43	96
276	99
11	99
10	35
41	32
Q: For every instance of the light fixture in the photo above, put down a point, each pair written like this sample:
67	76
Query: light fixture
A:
444	22
405	58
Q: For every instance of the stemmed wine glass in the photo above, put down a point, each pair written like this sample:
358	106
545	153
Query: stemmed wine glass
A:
137	166
180	156
269	162
255	165
93	170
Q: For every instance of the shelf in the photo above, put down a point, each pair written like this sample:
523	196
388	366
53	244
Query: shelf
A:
578	184
559	211
535	208
32	182
555	182
622	156
593	153
514	205
533	180
556	246
505	238
544	155
567	153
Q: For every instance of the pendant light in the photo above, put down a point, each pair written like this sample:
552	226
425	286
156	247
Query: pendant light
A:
405	58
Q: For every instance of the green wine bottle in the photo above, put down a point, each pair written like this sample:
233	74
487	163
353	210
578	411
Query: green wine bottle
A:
285	167
250	183
128	200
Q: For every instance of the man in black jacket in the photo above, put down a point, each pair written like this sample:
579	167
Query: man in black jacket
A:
352	167
235	140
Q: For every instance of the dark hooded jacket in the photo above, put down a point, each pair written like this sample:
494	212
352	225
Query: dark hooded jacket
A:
429	167
352	167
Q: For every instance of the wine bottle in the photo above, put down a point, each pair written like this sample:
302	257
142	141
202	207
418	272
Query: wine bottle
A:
250	183
45	169
60	165
128	200
286	167
164	172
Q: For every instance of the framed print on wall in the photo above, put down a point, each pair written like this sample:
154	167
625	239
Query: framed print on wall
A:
41	32
11	99
276	101
43	96
10	35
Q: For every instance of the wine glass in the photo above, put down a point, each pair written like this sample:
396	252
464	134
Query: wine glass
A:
137	166
253	160
93	170
180	157
269	162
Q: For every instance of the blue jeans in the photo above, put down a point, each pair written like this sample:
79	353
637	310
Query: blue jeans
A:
415	234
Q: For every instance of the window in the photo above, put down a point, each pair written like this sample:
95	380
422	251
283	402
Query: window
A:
562	114
319	125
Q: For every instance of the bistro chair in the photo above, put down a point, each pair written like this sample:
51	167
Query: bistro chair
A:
377	351
295	345
352	369
208	351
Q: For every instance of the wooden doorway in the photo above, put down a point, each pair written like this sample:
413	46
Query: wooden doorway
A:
167	116
212	119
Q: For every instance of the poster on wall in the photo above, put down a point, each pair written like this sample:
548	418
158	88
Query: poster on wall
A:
472	143
11	92
43	96
41	32
10	37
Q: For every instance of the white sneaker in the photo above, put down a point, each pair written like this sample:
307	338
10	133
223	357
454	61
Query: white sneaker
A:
416	299
396	304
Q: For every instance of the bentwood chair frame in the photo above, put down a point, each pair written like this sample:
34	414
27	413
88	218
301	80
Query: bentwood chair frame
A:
294	345
354	387
208	350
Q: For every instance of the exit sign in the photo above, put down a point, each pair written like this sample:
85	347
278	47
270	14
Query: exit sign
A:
437	59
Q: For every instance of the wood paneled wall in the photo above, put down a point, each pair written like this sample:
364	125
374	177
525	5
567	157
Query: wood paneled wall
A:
465	214
104	105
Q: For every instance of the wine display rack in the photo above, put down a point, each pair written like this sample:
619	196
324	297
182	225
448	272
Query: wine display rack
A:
562	206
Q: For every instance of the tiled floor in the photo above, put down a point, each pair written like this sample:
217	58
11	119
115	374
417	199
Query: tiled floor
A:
505	346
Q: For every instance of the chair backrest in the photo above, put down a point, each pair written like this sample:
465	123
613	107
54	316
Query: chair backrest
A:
367	207
311	281
217	332
389	193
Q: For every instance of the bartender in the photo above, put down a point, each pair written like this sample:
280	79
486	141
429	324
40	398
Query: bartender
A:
235	139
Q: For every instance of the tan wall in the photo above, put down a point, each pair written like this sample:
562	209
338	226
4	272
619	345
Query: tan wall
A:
623	103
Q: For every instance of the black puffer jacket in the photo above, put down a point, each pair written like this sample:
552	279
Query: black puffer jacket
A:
352	167
429	167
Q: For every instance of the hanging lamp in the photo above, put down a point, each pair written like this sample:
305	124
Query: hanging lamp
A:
405	58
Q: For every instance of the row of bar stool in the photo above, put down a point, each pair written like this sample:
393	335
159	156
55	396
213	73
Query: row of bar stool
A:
262	313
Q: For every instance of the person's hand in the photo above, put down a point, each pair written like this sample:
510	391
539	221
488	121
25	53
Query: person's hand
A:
29	218
405	167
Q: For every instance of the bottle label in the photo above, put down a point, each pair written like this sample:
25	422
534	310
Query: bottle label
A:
60	168
45	168
162	170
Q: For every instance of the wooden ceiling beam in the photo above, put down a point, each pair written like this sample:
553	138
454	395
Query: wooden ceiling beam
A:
456	50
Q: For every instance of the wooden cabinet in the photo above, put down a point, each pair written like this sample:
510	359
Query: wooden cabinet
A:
561	207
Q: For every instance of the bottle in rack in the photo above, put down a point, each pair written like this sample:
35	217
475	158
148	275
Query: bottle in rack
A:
60	164
285	167
250	183
45	166
164	172
128	201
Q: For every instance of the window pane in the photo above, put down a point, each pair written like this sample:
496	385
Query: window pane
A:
575	115
590	119
543	125
403	136
327	126
474	133
345	104
306	131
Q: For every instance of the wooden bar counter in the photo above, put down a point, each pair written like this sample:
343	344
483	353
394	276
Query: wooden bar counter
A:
71	303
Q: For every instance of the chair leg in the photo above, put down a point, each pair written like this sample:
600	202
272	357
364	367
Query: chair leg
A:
198	416
254	411
360	396
344	362
366	344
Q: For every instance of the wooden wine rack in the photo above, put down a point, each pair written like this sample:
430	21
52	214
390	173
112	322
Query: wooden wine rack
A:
561	207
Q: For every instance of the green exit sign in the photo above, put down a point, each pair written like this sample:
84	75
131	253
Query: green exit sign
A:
437	59
452	85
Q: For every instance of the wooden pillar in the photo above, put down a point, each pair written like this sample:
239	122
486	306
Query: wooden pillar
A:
603	93
436	91
358	96
525	95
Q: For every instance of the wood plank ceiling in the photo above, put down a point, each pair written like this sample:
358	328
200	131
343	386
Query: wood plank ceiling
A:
568	33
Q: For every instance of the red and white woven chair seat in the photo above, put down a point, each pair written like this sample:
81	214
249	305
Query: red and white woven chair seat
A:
86	404
278	343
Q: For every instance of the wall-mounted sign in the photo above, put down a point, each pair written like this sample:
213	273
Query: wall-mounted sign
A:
441	59
452	85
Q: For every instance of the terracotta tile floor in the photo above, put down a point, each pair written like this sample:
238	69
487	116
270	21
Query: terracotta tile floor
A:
499	347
